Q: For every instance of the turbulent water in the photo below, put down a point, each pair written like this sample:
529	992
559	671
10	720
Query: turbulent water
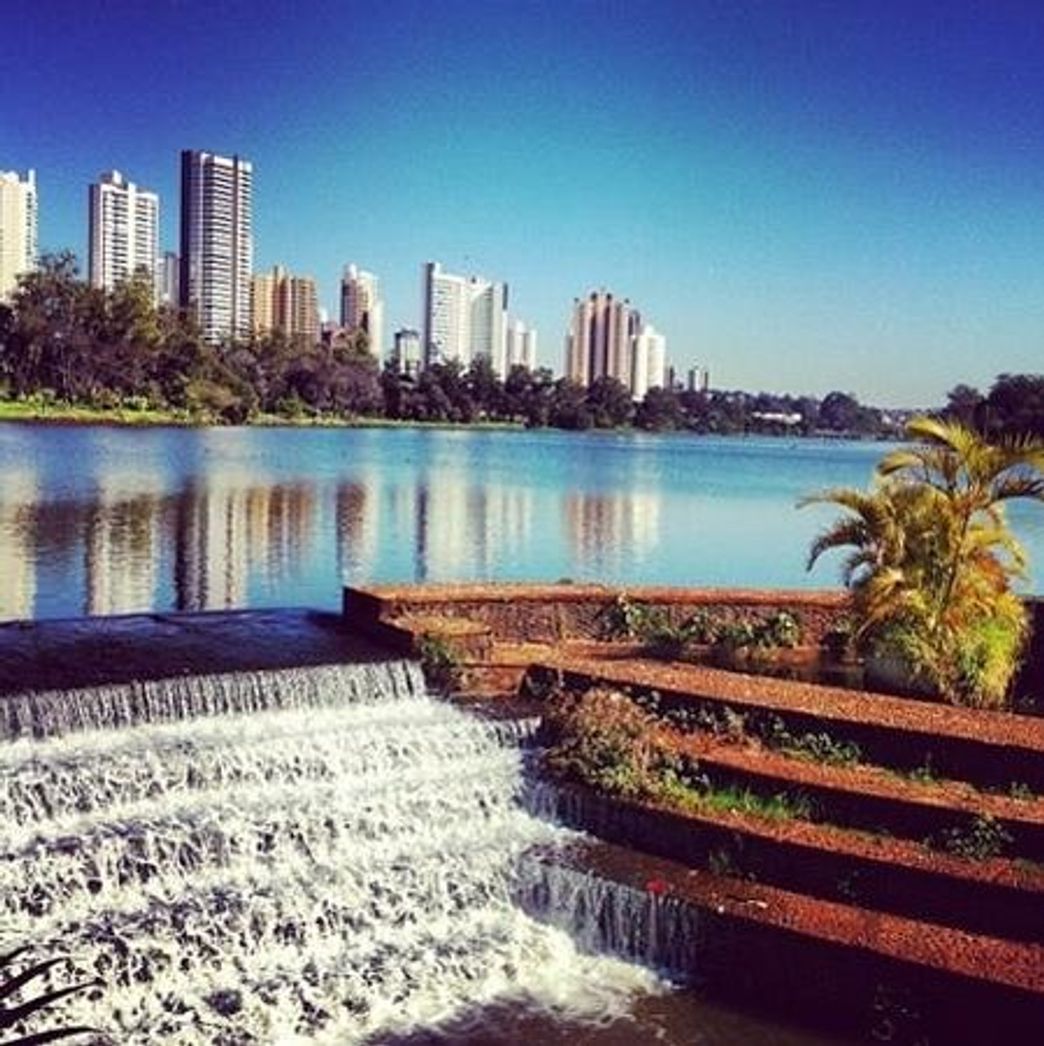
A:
323	854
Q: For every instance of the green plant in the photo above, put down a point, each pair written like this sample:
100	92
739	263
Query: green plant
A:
981	838
14	1014
933	559
924	774
439	663
781	806
664	636
819	747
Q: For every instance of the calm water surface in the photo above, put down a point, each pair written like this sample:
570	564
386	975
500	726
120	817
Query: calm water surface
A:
99	520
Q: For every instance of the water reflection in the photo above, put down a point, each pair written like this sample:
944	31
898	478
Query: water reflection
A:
121	544
234	530
121	521
18	496
605	529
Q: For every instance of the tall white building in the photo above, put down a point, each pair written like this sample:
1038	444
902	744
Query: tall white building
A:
648	361
217	243
463	318
521	345
18	223
123	232
361	306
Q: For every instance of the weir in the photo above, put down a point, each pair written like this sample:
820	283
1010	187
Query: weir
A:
321	854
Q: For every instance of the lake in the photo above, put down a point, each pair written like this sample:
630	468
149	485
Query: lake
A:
106	520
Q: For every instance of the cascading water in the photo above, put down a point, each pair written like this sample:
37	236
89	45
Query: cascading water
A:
343	863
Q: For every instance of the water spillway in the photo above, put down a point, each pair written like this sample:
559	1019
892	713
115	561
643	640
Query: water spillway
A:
320	854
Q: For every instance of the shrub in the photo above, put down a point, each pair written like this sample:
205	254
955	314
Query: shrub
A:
441	666
933	559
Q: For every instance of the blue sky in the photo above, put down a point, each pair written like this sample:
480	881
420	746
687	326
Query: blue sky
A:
803	195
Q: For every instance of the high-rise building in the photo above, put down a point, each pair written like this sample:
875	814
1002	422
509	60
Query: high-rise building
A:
521	342
18	222
648	362
284	302
463	318
698	379
608	339
406	354
170	278
599	342
361	306
217	245
123	232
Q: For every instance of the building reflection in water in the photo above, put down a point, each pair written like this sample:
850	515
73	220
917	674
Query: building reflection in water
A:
357	533
234	530
468	531
609	529
18	497
121	544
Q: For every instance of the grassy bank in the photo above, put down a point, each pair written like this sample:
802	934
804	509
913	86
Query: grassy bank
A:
35	410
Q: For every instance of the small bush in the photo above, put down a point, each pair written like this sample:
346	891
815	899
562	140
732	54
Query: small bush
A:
440	665
663	637
983	837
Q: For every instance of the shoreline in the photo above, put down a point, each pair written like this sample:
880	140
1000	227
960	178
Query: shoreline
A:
22	412
62	414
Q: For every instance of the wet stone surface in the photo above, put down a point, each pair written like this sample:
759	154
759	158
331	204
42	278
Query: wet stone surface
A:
81	652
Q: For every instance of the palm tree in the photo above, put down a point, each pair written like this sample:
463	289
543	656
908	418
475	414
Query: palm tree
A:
934	560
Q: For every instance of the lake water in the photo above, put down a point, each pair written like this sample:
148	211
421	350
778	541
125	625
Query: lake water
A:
100	520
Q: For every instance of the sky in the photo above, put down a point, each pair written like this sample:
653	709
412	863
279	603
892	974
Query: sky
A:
802	196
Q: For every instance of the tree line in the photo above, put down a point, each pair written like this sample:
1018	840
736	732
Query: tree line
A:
65	342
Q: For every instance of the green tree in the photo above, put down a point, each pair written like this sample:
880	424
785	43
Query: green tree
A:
933	558
567	406
660	411
609	403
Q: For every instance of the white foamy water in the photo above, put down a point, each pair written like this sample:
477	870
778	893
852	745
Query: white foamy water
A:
314	855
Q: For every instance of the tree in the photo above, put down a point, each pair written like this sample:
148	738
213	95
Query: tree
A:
933	558
839	412
1015	404
609	403
567	406
963	404
485	390
660	411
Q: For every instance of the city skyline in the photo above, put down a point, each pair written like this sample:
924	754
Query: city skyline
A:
807	199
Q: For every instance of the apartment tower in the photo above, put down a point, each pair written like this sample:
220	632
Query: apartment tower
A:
217	245
599	342
521	346
284	302
123	232
463	318
18	222
361	306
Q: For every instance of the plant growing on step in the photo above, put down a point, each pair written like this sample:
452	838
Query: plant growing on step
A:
15	1015
819	747
655	628
603	739
933	559
439	663
981	838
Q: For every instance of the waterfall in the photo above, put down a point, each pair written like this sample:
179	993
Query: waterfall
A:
323	854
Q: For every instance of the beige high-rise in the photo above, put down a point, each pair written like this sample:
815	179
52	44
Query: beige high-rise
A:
599	342
361	306
282	301
18	223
